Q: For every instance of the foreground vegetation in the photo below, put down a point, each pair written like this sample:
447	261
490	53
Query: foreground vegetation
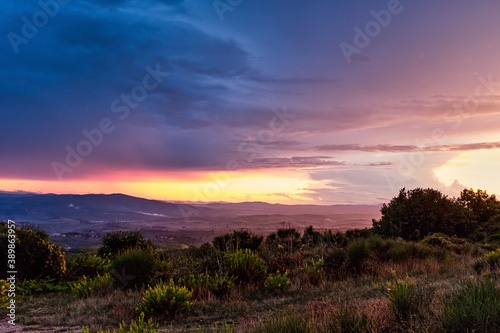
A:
416	270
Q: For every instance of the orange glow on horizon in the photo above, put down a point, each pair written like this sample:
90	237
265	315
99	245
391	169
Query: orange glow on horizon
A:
235	186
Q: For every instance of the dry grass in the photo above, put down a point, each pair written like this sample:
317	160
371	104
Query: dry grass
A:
248	307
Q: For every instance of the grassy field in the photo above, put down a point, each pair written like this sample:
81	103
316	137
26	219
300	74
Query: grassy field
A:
285	282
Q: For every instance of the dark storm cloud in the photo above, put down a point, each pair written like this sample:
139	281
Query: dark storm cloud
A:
65	79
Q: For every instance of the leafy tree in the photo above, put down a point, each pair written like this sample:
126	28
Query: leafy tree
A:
115	243
481	205
414	214
37	257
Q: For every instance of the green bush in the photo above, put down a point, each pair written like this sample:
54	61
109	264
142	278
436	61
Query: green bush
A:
284	240
348	320
357	254
88	265
336	262
4	289
277	283
117	242
290	323
315	271
41	287
134	268
238	240
475	307
137	326
405	298
165	301
490	260
337	239
311	237
220	285
36	256
97	285
493	259
245	265
217	284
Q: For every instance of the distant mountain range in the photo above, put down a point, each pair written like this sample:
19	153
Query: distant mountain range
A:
89	207
82	220
38	208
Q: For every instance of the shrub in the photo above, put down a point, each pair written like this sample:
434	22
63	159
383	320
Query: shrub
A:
490	260
348	320
290	323
97	285
246	265
238	240
285	239
314	271
311	237
335	262
36	256
493	259
218	284
277	283
117	242
480	265
357	253
138	326
335	239
4	290
165	301
41	287
405	298
134	268
88	265
473	308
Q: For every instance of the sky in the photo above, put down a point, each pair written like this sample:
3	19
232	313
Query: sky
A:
312	102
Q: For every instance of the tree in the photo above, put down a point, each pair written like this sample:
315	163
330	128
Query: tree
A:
36	256
481	205
115	243
414	214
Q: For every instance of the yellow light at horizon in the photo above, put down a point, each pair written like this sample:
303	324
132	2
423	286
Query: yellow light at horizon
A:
476	169
285	187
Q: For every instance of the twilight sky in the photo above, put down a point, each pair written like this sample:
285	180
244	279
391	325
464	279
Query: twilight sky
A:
234	100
